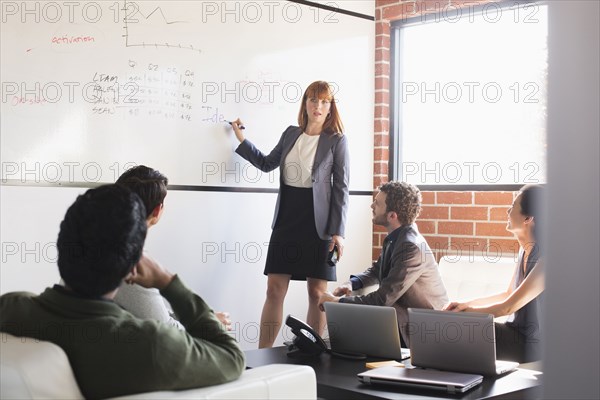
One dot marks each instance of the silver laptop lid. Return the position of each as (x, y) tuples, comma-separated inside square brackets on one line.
[(451, 382), (357, 328), (453, 341)]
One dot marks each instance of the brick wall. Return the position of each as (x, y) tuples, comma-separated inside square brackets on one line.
[(452, 222)]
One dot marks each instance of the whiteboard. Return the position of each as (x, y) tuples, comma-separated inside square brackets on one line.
[(92, 88)]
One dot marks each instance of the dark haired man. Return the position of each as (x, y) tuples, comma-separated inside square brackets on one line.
[(151, 186), (406, 270), (112, 352)]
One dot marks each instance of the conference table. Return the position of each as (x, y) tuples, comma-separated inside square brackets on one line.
[(336, 379)]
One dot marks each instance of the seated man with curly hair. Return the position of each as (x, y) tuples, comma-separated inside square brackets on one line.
[(406, 270)]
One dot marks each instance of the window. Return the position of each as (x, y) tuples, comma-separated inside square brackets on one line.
[(469, 97)]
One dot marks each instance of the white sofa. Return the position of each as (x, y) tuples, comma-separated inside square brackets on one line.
[(32, 369), (471, 277)]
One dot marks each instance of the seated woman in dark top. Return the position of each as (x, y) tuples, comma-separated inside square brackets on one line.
[(518, 339)]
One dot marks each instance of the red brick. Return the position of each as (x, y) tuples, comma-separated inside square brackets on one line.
[(400, 11), (378, 238), (380, 130), (430, 6), (384, 3), (382, 41), (382, 154), (380, 167), (428, 197), (382, 83), (379, 230), (455, 228), (381, 139), (468, 213), (491, 229), (494, 198), (381, 239), (382, 112), (382, 55), (498, 213), (382, 28), (434, 212), (426, 227), (382, 97), (455, 198), (375, 254), (502, 248), (437, 243), (377, 14), (382, 69)]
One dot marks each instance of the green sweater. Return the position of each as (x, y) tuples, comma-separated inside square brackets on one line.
[(113, 353)]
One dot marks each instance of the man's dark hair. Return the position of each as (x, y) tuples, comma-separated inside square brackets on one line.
[(147, 183), (404, 199), (100, 240)]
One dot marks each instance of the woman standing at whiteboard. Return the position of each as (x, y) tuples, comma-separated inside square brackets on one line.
[(310, 213)]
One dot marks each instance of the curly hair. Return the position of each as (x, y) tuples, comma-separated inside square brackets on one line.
[(404, 199)]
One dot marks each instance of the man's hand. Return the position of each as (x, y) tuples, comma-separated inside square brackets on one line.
[(343, 290), (149, 274), (223, 316), (325, 297)]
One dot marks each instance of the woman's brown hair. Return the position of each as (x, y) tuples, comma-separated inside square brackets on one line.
[(321, 90)]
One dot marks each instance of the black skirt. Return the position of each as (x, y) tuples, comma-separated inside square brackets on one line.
[(295, 247)]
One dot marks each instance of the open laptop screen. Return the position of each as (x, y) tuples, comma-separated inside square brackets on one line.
[(357, 328), (454, 341)]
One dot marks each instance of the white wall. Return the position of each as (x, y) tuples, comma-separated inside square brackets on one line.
[(572, 308), (215, 241)]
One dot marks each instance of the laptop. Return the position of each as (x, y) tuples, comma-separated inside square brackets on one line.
[(450, 382), (455, 341), (364, 330)]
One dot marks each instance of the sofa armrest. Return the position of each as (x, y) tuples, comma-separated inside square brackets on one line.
[(274, 381), (34, 369)]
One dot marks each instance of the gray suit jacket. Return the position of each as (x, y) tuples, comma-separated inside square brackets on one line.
[(409, 278), (330, 176)]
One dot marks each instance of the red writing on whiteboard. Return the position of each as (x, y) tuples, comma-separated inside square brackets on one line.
[(18, 100), (72, 39)]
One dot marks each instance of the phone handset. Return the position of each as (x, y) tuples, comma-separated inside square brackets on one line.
[(307, 341)]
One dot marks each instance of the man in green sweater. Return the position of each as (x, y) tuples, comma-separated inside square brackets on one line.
[(112, 352)]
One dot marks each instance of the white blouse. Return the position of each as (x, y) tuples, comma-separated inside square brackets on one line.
[(299, 161)]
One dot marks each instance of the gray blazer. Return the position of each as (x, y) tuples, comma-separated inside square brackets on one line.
[(330, 176), (409, 278)]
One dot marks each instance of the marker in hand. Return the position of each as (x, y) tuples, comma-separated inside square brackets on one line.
[(231, 123)]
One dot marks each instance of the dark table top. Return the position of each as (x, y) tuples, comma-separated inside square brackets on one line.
[(336, 379)]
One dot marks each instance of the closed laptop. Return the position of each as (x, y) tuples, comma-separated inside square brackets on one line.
[(450, 382), (454, 341)]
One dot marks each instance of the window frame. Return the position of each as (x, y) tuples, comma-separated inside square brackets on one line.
[(395, 114)]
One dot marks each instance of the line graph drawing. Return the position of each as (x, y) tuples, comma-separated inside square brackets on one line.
[(132, 17)]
